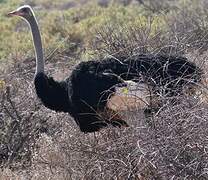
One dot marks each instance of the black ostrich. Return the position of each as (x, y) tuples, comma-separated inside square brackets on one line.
[(92, 83)]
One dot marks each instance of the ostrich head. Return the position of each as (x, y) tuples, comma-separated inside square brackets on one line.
[(28, 15), (25, 12)]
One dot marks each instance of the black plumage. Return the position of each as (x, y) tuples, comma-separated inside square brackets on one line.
[(86, 92), (91, 83)]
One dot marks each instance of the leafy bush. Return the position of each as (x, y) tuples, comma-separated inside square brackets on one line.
[(36, 143)]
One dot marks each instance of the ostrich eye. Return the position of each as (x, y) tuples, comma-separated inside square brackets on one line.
[(27, 11), (24, 10)]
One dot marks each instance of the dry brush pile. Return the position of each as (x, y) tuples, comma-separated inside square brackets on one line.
[(171, 143), (37, 143)]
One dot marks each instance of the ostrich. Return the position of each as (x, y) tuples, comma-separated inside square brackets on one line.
[(86, 91)]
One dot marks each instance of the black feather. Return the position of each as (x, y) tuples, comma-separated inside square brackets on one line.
[(91, 83), (53, 94)]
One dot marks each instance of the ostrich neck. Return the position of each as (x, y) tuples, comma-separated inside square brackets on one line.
[(38, 45)]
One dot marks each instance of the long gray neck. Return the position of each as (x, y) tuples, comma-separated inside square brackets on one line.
[(37, 44)]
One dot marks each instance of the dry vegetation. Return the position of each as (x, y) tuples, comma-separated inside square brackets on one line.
[(38, 144)]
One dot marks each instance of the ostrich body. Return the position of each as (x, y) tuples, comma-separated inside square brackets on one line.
[(92, 83)]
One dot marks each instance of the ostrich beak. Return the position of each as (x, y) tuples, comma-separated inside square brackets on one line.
[(15, 13)]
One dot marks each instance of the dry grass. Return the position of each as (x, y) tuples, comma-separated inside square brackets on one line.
[(38, 144), (42, 144)]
